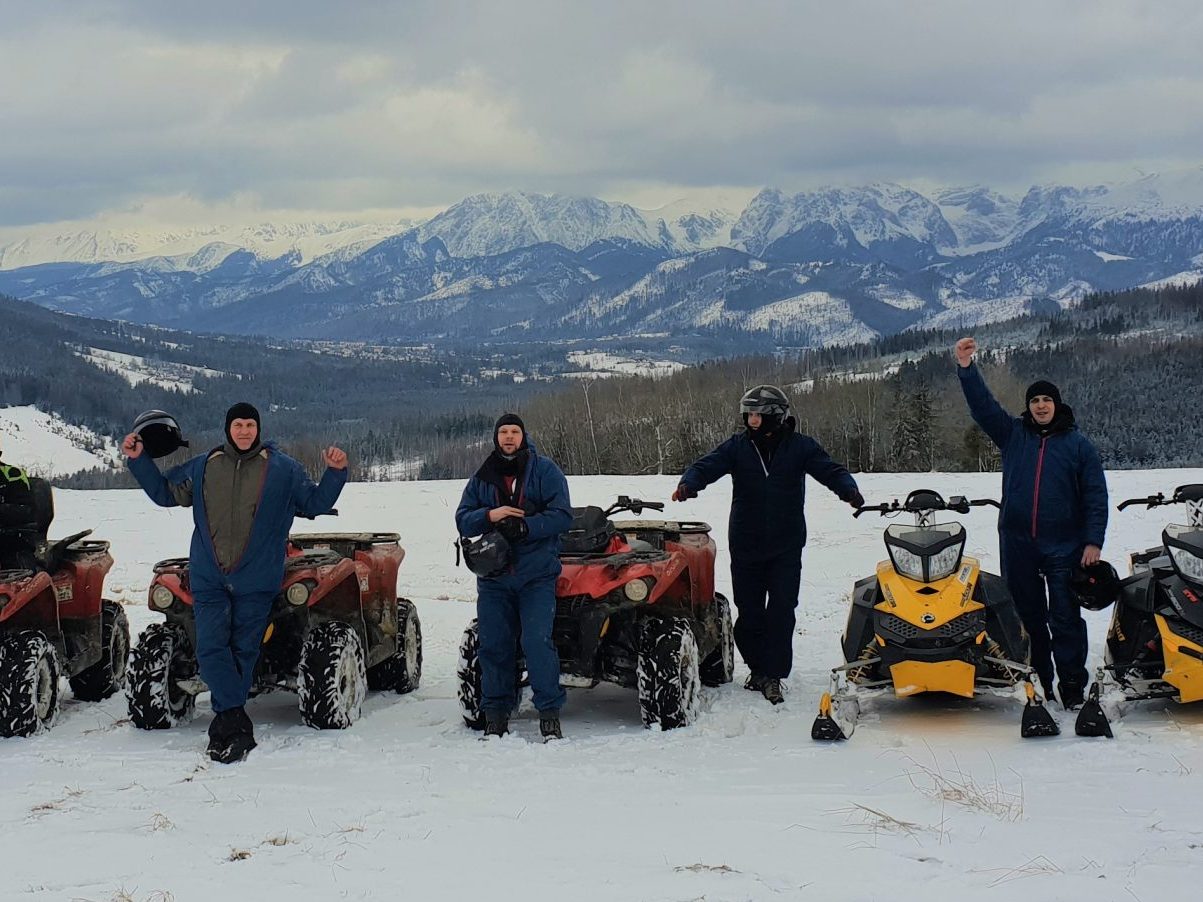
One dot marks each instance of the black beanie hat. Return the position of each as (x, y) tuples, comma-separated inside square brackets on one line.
[(509, 419), (1042, 387), (243, 411)]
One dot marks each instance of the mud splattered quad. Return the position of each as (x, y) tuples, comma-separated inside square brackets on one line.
[(635, 606), (336, 629), (54, 621)]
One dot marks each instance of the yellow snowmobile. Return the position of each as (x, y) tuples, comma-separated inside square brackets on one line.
[(1155, 642), (929, 620)]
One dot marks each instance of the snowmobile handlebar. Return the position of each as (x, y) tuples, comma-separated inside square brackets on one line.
[(957, 504), (634, 505), (1184, 494)]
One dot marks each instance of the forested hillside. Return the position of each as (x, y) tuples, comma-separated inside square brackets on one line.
[(1130, 364)]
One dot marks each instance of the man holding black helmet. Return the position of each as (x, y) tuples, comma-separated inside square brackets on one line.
[(244, 496), (1053, 519), (524, 497), (768, 462)]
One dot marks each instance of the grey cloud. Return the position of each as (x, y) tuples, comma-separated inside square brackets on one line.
[(308, 103)]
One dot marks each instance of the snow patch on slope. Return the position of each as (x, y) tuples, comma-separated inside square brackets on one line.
[(44, 444)]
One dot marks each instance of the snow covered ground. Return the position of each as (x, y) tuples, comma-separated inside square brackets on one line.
[(44, 444), (930, 800)]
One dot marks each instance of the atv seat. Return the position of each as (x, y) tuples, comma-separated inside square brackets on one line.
[(589, 533)]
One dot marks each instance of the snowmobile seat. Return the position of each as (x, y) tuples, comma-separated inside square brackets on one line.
[(589, 533)]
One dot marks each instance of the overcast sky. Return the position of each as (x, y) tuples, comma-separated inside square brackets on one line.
[(202, 110)]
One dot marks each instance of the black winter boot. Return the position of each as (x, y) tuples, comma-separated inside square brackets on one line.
[(772, 691), (549, 726), (231, 736), (496, 724), (1072, 695), (755, 682)]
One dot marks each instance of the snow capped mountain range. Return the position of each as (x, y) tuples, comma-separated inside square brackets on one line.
[(830, 265)]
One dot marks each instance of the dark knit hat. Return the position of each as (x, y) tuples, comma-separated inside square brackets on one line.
[(1042, 387), (243, 411), (509, 419)]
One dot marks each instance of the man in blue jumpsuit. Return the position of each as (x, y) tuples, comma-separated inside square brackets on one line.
[(244, 495), (524, 496), (768, 462), (1053, 518)]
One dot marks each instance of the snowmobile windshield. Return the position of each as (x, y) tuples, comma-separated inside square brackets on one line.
[(926, 553), (1185, 545)]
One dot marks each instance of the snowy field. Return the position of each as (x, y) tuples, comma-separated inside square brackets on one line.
[(930, 800)]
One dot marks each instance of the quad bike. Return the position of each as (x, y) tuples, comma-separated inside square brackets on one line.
[(1155, 641), (54, 622), (636, 606), (336, 629), (929, 620)]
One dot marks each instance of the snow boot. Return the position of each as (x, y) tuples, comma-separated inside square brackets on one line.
[(231, 736), (1072, 695), (549, 726), (496, 724), (755, 682), (772, 690)]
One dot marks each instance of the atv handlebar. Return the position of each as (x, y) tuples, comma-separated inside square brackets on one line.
[(1184, 494), (634, 505)]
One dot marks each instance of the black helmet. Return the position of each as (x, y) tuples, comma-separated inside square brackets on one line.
[(1096, 586), (160, 433), (487, 556), (764, 399)]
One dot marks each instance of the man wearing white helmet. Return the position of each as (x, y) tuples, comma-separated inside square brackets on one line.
[(768, 462)]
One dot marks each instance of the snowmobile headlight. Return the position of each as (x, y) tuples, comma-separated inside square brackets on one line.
[(637, 590), (161, 597), (1185, 545), (298, 593), (926, 553)]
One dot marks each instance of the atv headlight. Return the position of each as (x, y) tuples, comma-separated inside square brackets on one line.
[(298, 593), (637, 590), (161, 597), (926, 553), (1185, 545)]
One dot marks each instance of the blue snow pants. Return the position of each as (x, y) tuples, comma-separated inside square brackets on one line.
[(507, 608), (766, 594), (1039, 583), (229, 634)]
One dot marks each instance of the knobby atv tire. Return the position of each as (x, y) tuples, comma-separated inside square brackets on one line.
[(332, 681), (668, 679), (403, 670), (468, 673), (719, 666), (29, 676), (159, 662), (106, 676)]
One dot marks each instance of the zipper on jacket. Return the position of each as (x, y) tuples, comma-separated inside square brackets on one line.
[(1036, 490), (760, 457)]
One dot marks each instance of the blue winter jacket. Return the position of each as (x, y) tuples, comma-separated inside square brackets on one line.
[(286, 492), (767, 517), (544, 497), (1054, 491)]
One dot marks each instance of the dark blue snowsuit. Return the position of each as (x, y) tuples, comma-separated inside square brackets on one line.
[(231, 607), (522, 601), (1054, 504), (766, 533)]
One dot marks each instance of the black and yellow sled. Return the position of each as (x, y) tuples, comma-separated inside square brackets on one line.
[(1155, 641), (929, 620)]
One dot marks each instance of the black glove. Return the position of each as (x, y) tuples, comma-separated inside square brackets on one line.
[(857, 499), (513, 528), (684, 493)]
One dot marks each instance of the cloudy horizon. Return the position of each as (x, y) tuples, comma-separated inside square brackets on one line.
[(131, 111)]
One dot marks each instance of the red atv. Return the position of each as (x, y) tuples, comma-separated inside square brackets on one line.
[(636, 606), (336, 629), (55, 622)]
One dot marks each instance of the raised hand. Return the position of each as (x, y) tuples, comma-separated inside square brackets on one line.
[(335, 458), (131, 446), (964, 350)]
